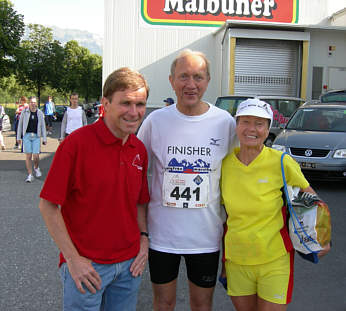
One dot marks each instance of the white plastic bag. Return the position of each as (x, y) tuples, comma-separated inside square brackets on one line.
[(309, 223)]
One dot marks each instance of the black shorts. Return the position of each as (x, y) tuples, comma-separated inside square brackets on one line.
[(201, 268), (49, 120)]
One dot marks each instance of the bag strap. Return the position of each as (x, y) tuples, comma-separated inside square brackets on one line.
[(293, 213)]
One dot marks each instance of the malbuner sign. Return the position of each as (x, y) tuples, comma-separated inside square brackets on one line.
[(216, 12)]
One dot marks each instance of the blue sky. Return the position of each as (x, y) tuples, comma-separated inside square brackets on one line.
[(72, 14)]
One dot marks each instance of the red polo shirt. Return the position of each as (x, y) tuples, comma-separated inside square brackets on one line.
[(98, 182)]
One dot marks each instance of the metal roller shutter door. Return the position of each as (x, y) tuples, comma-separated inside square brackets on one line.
[(266, 67)]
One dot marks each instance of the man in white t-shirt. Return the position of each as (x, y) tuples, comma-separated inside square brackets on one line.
[(186, 143), (74, 118)]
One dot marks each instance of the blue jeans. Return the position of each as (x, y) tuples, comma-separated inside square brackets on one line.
[(119, 289)]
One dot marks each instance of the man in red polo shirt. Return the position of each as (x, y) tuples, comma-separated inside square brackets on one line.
[(97, 214)]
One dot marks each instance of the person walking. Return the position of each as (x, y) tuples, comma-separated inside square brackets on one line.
[(74, 118), (97, 214), (22, 105), (49, 110), (2, 114), (186, 143), (32, 128)]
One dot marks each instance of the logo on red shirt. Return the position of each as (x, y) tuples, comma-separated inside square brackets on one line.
[(137, 162)]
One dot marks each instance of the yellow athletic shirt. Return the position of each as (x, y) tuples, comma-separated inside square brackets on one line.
[(253, 201)]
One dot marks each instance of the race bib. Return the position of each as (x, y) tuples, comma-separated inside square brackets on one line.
[(185, 190)]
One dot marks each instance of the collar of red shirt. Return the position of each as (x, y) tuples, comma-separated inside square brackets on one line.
[(107, 137)]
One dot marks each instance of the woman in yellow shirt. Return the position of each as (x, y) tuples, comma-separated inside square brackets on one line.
[(258, 250)]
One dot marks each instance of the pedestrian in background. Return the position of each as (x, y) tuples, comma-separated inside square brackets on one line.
[(22, 105), (97, 214), (74, 118), (49, 110), (2, 114), (169, 101), (31, 127)]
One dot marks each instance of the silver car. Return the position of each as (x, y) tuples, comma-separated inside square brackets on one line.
[(315, 136)]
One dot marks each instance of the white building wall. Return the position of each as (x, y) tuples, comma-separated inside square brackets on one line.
[(333, 63), (130, 41), (312, 12)]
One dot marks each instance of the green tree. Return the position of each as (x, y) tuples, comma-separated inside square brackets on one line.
[(10, 89), (71, 67), (91, 72), (82, 71), (56, 63), (39, 59), (11, 31)]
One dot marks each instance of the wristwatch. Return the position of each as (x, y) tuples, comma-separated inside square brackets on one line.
[(145, 234)]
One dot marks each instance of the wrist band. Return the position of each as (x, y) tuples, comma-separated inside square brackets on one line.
[(145, 234)]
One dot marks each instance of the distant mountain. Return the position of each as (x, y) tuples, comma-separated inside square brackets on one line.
[(91, 41)]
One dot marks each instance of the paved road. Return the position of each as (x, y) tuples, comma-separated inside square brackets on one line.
[(28, 259)]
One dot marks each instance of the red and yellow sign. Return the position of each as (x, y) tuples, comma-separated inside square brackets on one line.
[(216, 12)]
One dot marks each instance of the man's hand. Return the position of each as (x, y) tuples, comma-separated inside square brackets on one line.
[(141, 259), (83, 273)]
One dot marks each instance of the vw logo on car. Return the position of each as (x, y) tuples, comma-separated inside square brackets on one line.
[(308, 152)]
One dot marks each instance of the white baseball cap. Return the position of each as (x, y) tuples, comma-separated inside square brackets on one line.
[(255, 107)]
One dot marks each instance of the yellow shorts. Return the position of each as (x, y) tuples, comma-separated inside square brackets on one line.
[(272, 281)]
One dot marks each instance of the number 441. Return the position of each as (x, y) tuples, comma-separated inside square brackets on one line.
[(185, 194)]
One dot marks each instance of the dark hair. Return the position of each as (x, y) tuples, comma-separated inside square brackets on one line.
[(123, 79)]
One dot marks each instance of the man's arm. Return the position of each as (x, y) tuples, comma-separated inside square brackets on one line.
[(20, 127), (43, 128), (141, 259), (63, 127), (84, 118), (81, 270)]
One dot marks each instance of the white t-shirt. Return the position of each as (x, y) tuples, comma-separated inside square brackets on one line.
[(185, 155), (74, 119)]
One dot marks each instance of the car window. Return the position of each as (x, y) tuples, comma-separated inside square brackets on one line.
[(229, 104), (287, 107), (282, 109), (334, 97), (319, 119), (271, 102)]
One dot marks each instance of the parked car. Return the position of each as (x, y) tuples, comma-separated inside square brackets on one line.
[(59, 112), (315, 136), (333, 96), (283, 107)]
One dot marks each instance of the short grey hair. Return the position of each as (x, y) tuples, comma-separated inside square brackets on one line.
[(188, 52), (32, 97)]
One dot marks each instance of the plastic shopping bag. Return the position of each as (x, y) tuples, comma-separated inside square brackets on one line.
[(309, 225)]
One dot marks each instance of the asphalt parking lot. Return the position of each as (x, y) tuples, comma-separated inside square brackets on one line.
[(28, 260)]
